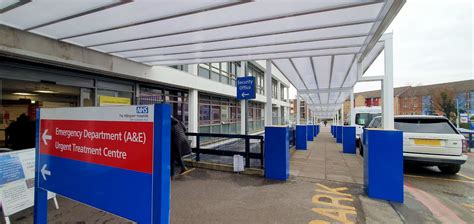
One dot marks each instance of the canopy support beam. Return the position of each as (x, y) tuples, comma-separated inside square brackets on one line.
[(387, 85), (268, 93)]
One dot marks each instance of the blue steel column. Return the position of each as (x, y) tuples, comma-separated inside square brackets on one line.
[(339, 134), (276, 154), (383, 164), (161, 164), (349, 139), (40, 213), (315, 131), (301, 137), (310, 132)]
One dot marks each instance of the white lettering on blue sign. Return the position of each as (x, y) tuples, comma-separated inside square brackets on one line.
[(142, 110)]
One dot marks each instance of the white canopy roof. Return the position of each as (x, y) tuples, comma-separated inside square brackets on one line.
[(315, 44)]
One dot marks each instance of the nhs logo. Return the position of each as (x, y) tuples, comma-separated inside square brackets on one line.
[(142, 110)]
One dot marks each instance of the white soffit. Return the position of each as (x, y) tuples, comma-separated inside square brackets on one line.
[(315, 44)]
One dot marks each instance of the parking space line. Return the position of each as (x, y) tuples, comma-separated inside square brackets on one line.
[(465, 176), (440, 178), (470, 207)]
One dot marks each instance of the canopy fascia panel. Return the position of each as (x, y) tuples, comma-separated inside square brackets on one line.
[(317, 45)]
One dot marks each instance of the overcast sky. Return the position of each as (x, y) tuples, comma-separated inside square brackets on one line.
[(433, 43)]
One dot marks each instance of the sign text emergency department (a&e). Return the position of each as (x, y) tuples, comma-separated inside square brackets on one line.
[(112, 158)]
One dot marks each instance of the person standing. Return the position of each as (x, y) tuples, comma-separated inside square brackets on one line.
[(179, 145)]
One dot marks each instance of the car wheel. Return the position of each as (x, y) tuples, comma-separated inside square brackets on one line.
[(361, 150), (451, 169)]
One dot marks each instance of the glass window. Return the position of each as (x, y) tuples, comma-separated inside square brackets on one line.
[(431, 125), (204, 72), (204, 114), (224, 79), (180, 67), (364, 119), (215, 76), (224, 113), (216, 114)]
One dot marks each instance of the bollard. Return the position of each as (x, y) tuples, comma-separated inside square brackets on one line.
[(349, 139), (310, 132), (276, 156), (383, 165), (315, 130), (339, 134), (301, 137)]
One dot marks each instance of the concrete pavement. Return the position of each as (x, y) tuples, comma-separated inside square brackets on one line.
[(324, 187), (324, 160)]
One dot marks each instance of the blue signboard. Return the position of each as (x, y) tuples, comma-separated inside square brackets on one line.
[(11, 169), (245, 88), (113, 158)]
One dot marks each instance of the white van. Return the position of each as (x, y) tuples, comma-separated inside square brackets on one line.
[(363, 116)]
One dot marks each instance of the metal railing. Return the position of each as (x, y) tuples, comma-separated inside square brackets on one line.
[(228, 145), (468, 135), (292, 136)]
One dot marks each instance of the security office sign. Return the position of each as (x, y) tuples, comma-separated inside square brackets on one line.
[(112, 158), (245, 88)]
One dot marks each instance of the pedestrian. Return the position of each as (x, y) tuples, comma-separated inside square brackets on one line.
[(179, 145), (325, 123)]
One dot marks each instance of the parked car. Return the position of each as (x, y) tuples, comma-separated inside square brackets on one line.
[(363, 116), (429, 141)]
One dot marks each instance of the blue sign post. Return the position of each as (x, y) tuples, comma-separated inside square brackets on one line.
[(116, 159), (245, 88)]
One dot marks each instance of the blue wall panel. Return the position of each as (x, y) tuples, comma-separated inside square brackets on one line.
[(276, 155), (310, 132), (301, 137), (339, 134), (383, 165), (349, 139)]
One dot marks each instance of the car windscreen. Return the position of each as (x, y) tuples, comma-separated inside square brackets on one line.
[(431, 125), (365, 118)]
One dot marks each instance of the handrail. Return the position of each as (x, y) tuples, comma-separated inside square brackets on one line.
[(247, 154), (217, 135)]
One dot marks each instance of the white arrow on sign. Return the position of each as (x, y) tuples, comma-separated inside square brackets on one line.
[(244, 94), (46, 137), (45, 172)]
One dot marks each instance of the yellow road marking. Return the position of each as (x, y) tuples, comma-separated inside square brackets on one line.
[(465, 176), (440, 178), (471, 207), (187, 171)]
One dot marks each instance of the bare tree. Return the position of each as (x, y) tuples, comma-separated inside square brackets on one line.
[(444, 101)]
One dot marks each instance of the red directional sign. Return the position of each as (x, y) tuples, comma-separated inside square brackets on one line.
[(116, 159), (120, 144)]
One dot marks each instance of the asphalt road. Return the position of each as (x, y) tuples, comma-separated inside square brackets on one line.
[(433, 197)]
